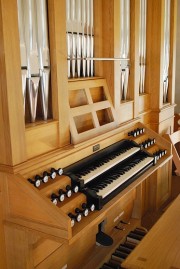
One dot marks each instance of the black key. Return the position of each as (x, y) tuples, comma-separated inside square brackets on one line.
[(124, 249), (129, 245), (106, 266), (115, 263)]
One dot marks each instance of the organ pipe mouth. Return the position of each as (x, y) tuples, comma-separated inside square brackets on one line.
[(97, 59)]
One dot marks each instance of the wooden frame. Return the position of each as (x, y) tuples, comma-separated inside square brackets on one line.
[(90, 109)]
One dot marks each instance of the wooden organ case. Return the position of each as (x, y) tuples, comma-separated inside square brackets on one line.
[(130, 99)]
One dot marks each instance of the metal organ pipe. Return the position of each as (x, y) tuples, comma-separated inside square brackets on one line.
[(166, 49), (142, 44), (124, 46), (80, 38), (35, 60)]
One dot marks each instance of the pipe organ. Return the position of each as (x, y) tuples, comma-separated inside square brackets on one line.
[(87, 91)]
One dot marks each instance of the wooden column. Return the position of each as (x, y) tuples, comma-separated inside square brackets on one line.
[(98, 41), (134, 54), (12, 131), (162, 113), (58, 55), (111, 47), (172, 67), (154, 18)]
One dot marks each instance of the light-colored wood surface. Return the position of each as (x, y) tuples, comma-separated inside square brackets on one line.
[(2, 236), (44, 216), (175, 139), (12, 131), (160, 248), (144, 102), (126, 112), (44, 135), (173, 37), (27, 215), (161, 122), (134, 54), (58, 56), (44, 248), (94, 114)]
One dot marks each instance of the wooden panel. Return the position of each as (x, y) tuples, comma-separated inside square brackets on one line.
[(146, 118), (111, 44), (144, 102), (126, 111), (12, 131), (2, 237), (163, 120), (163, 184), (166, 127), (56, 260), (154, 22), (85, 245), (159, 186), (41, 138), (44, 217), (44, 248), (166, 113), (160, 247), (173, 38), (145, 196), (17, 245), (122, 211)]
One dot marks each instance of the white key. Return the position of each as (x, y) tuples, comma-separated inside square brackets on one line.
[(119, 181), (99, 170)]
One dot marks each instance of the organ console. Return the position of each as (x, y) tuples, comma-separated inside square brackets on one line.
[(101, 192)]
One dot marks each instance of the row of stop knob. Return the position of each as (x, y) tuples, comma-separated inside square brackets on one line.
[(136, 132), (62, 193), (160, 153), (46, 175), (81, 212), (147, 143)]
